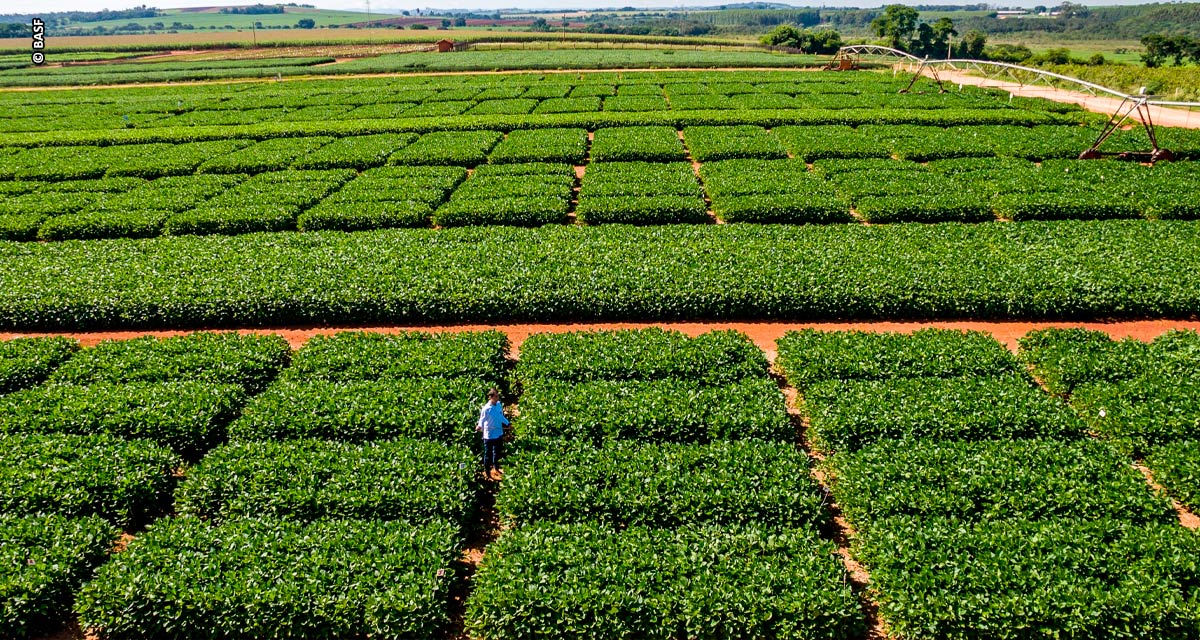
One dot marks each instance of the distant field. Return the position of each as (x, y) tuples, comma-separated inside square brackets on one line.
[(205, 18), (276, 37)]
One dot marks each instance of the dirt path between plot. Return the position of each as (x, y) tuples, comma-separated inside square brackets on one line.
[(1161, 115), (764, 334)]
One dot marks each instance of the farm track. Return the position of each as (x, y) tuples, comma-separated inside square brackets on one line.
[(764, 334), (1163, 116)]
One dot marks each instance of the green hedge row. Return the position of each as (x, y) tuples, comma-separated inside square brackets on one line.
[(259, 578), (362, 411), (701, 582), (850, 415), (810, 356), (624, 484), (250, 361), (25, 362), (126, 483), (1067, 579), (1052, 270), (991, 482), (43, 562), (187, 417), (715, 357), (363, 356), (307, 480), (667, 410)]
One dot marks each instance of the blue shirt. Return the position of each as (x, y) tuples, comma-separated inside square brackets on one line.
[(492, 421)]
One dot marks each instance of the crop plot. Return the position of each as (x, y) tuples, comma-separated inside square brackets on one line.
[(640, 193), (771, 191), (646, 144), (725, 143), (343, 577), (45, 560), (673, 518), (384, 197), (462, 148), (942, 456), (524, 195)]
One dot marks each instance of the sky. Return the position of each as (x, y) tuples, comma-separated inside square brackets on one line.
[(381, 6)]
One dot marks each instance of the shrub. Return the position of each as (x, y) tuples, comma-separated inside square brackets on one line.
[(43, 562), (307, 480), (809, 356), (654, 411), (431, 409), (187, 417), (992, 481), (221, 358), (126, 483), (624, 484), (573, 581), (25, 362), (713, 358), (257, 578), (847, 416)]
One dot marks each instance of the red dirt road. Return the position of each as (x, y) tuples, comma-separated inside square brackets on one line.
[(764, 334), (1169, 117)]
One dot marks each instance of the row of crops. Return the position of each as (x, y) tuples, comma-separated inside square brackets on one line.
[(414, 97), (654, 488), (634, 175), (1033, 270), (549, 57)]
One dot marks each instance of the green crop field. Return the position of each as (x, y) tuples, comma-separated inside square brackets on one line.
[(656, 484), (213, 18)]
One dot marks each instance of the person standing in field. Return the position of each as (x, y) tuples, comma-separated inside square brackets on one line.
[(491, 423)]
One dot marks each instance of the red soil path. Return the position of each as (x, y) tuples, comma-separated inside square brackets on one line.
[(764, 334)]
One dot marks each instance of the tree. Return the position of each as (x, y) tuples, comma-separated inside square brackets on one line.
[(825, 41), (972, 44), (539, 25), (1155, 50), (306, 23), (897, 23), (460, 21)]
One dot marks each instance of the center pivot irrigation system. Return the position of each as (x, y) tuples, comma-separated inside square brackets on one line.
[(852, 57)]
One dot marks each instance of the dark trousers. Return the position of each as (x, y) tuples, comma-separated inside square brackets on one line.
[(491, 453)]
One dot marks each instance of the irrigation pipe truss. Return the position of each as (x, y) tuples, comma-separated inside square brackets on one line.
[(850, 57)]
